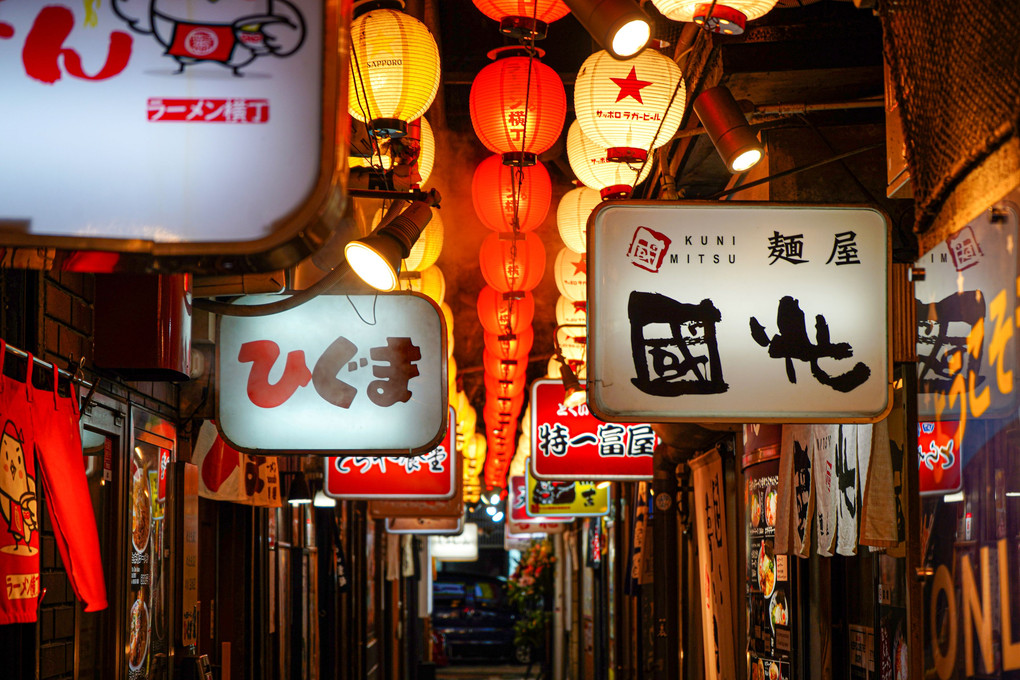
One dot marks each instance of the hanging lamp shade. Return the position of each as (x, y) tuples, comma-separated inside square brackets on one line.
[(497, 102), (422, 134), (523, 18), (495, 187), (394, 73), (553, 369), (728, 16), (572, 216), (588, 161), (431, 282), (500, 313), (622, 104), (427, 248), (510, 264), (571, 273), (512, 346), (504, 388), (504, 369)]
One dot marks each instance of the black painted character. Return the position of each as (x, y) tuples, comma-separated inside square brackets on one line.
[(791, 342), (674, 346), (942, 331)]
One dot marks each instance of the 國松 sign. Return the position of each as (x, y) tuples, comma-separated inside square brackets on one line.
[(738, 312)]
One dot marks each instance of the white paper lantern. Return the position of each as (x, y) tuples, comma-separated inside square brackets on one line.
[(571, 274), (570, 312), (629, 107), (572, 216), (589, 163)]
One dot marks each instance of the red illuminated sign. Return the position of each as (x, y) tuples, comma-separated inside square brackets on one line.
[(938, 458), (432, 476), (571, 443)]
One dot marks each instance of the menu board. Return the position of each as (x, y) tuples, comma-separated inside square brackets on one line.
[(147, 614), (769, 592)]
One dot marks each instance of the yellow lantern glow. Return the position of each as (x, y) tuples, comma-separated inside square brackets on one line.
[(394, 72), (572, 216), (448, 315), (727, 16), (629, 107), (429, 282), (589, 163)]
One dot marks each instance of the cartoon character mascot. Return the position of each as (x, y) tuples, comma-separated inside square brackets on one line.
[(17, 492)]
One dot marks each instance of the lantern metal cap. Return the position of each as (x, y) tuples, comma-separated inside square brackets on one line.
[(515, 51), (523, 28), (364, 6)]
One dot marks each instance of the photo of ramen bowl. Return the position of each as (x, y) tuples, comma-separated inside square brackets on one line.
[(771, 498), (774, 671), (138, 634), (755, 509), (766, 571), (778, 611), (141, 513)]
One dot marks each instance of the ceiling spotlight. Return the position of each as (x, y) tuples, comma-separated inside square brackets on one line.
[(490, 510), (603, 485), (727, 127), (298, 493), (618, 25), (498, 517), (376, 257), (494, 498)]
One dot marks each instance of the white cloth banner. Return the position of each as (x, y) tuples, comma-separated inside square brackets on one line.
[(713, 565), (825, 438)]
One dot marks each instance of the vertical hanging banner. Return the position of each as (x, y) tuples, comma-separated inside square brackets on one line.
[(432, 476), (675, 338), (359, 373), (714, 565), (134, 101), (569, 443)]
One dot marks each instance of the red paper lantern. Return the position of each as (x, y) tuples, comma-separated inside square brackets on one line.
[(512, 262), (523, 18), (498, 114), (500, 314), (504, 369), (504, 388), (516, 346), (495, 186)]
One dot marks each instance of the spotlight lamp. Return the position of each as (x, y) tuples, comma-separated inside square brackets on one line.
[(574, 394), (618, 25), (727, 127), (299, 493), (376, 257)]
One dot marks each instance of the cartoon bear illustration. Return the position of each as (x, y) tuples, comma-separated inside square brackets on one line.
[(231, 32), (17, 492)]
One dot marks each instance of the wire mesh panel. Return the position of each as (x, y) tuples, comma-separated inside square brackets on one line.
[(956, 77)]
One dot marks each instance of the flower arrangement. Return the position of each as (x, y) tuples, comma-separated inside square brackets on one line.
[(530, 588)]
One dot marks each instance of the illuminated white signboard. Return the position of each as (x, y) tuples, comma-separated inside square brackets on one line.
[(166, 124), (339, 373), (461, 548), (738, 312)]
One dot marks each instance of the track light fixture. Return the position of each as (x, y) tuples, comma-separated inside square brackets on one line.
[(376, 257), (574, 394), (618, 25), (727, 127)]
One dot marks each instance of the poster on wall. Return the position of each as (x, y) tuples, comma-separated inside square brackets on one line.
[(769, 594), (133, 100), (147, 630), (672, 338)]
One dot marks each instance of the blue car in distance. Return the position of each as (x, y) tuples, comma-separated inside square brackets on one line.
[(472, 617)]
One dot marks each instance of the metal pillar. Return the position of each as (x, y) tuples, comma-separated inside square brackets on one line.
[(664, 555)]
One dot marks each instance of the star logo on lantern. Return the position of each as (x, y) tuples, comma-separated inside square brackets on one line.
[(631, 86), (580, 267)]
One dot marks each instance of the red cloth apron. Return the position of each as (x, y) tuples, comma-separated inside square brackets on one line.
[(39, 423), (58, 442), (19, 508)]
